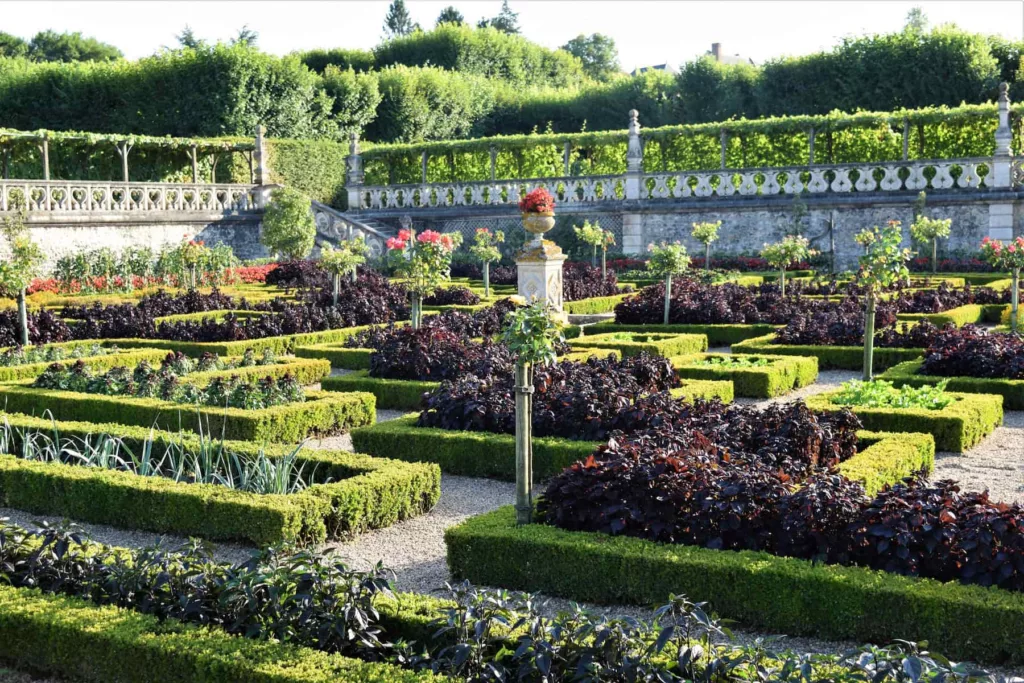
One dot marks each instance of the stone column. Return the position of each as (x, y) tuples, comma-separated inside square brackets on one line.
[(632, 233), (262, 172), (354, 174), (1000, 214), (539, 267), (632, 230)]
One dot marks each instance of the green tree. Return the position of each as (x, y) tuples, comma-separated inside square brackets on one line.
[(884, 265), (598, 54), (450, 15), (916, 21), (21, 267), (398, 21), (792, 249), (931, 230), (485, 249), (507, 21), (289, 229), (706, 233), (187, 38), (668, 260), (711, 91), (246, 36), (345, 260), (356, 98), (12, 46), (592, 234), (50, 46)]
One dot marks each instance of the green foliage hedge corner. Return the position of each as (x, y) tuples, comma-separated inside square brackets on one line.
[(718, 335), (957, 427), (829, 357), (125, 357), (785, 595), (207, 315), (708, 389), (392, 394), (471, 454), (1012, 390), (321, 413), (597, 304), (282, 345), (959, 316), (338, 356), (784, 374), (884, 459), (76, 639), (353, 492), (655, 343)]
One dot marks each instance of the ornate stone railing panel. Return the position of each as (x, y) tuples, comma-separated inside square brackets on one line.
[(1017, 173), (334, 226), (835, 179), (582, 190), (70, 196)]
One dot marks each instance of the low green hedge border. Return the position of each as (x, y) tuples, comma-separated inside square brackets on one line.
[(281, 345), (782, 375), (718, 335), (77, 639), (352, 492), (665, 344), (957, 427), (126, 357), (339, 356), (321, 413), (1012, 390), (884, 458), (597, 304), (959, 316), (217, 315), (306, 371), (392, 394), (829, 357), (486, 454)]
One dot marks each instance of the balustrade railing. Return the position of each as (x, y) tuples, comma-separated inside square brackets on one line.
[(582, 190), (68, 196), (892, 176)]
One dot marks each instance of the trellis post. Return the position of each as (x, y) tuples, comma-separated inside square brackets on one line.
[(1000, 214), (810, 146), (494, 158), (195, 164), (906, 139), (44, 149), (262, 171), (423, 165), (723, 140), (565, 157), (7, 162), (123, 148)]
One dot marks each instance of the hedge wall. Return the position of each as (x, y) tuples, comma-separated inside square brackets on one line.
[(76, 639), (655, 343), (597, 304), (1012, 390), (350, 492), (281, 345), (829, 357), (959, 316), (392, 394), (321, 413), (125, 357), (782, 375), (957, 427), (718, 335)]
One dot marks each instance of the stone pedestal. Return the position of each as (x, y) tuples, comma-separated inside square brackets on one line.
[(539, 268)]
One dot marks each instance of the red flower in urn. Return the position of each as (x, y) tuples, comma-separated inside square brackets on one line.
[(537, 201)]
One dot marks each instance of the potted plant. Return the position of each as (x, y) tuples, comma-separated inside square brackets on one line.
[(1007, 257), (926, 230), (781, 255), (668, 260), (884, 265), (485, 249), (532, 334), (424, 260), (538, 209), (193, 253), (706, 233), (344, 260), (21, 267)]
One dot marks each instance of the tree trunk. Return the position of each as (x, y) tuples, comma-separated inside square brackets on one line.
[(337, 287), (869, 337), (935, 255), (355, 274), (782, 281), (707, 257), (1014, 298), (524, 443), (487, 279), (593, 255), (417, 305), (23, 316), (668, 296), (604, 264)]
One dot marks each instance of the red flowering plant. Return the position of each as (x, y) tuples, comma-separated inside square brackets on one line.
[(537, 201), (424, 260), (1007, 257)]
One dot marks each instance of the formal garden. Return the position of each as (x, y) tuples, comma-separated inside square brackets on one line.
[(365, 454)]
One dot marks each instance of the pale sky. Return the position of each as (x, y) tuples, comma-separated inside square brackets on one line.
[(646, 32)]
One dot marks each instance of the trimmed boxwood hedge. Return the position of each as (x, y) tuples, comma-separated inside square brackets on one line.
[(829, 357), (959, 316), (718, 335), (281, 345), (957, 427), (126, 357), (1012, 390), (321, 413), (665, 344), (486, 454), (595, 305), (306, 371), (354, 492), (339, 356), (392, 394), (783, 374), (77, 639), (218, 315)]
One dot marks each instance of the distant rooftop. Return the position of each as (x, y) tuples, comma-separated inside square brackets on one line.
[(718, 52), (656, 67)]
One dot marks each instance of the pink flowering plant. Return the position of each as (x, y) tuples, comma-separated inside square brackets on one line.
[(424, 261), (1007, 257)]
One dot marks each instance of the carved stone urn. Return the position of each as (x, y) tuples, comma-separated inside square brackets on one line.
[(537, 224)]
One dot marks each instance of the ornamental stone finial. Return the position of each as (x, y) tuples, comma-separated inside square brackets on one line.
[(634, 147), (354, 162), (634, 122), (1004, 136), (353, 144), (261, 173), (1004, 92)]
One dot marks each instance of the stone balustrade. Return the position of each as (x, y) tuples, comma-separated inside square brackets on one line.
[(78, 196)]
